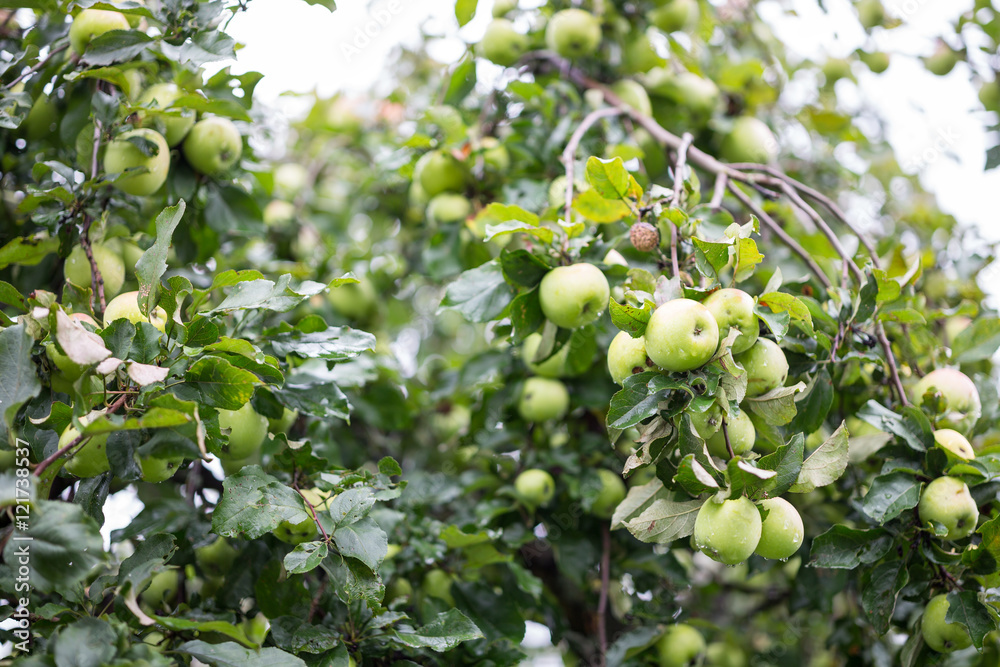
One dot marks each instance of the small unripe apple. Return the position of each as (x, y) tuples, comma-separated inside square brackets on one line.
[(397, 588), (215, 559), (954, 442), (296, 533), (574, 296), (495, 155), (109, 263), (162, 590), (877, 61), (723, 655), (543, 399), (749, 140), (90, 23), (42, 120), (535, 487), (130, 254), (278, 211), (126, 306), (836, 69), (634, 95), (707, 423), (439, 171), (962, 406), (553, 367), (766, 367), (742, 436), (91, 459), (674, 15), (611, 494), (728, 531), (121, 155), (698, 95), (69, 368), (942, 61), (939, 634), (573, 33), (871, 13), (284, 422), (989, 95), (290, 178), (503, 7), (781, 532), (449, 207), (502, 43), (947, 501), (681, 335), (437, 584), (156, 469), (247, 431), (639, 55), (354, 300), (626, 356), (680, 646), (734, 308), (162, 96), (213, 145)]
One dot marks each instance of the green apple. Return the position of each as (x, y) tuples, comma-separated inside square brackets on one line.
[(877, 61), (354, 300), (296, 533), (626, 356), (639, 55), (535, 487), (766, 367), (680, 646), (213, 145), (133, 77), (449, 207), (247, 430), (90, 23), (553, 367), (397, 588), (109, 263), (173, 127), (126, 306), (439, 171), (278, 212), (947, 501), (290, 178), (836, 69), (781, 532), (749, 140), (674, 15), (69, 368), (942, 61), (574, 296), (495, 155), (557, 190), (215, 559), (634, 95), (42, 120), (611, 494), (939, 634), (615, 258), (707, 423), (728, 531), (502, 43), (156, 469), (284, 422), (699, 95), (130, 254), (437, 584), (718, 654), (573, 33), (871, 13), (122, 154), (742, 436), (451, 421), (962, 406), (162, 589), (989, 95), (955, 325), (91, 459), (681, 335), (734, 308), (954, 442), (503, 7), (543, 399)]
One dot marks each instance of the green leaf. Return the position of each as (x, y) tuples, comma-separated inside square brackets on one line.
[(911, 430), (462, 81), (890, 495), (150, 556), (889, 289), (786, 461), (27, 251), (977, 342), (231, 654), (20, 379), (777, 406), (814, 405), (278, 296), (634, 403), (305, 557), (745, 258), (609, 177), (444, 633), (253, 504), (825, 465), (693, 477), (593, 206), (879, 591), (526, 315), (543, 234), (220, 384), (351, 505), (208, 46), (965, 607), (364, 540), (846, 548), (333, 344), (631, 319), (665, 521), (297, 635), (523, 268), (480, 294), (116, 46), (780, 302), (153, 263), (89, 642), (711, 256), (314, 394), (198, 626)]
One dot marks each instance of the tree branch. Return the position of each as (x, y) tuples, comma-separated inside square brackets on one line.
[(678, 185), (37, 66), (41, 467), (825, 229), (569, 154)]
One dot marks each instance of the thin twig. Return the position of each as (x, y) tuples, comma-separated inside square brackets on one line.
[(719, 191), (569, 154), (37, 66), (891, 359), (781, 234), (679, 167), (602, 603), (40, 468), (825, 229), (96, 279), (725, 434)]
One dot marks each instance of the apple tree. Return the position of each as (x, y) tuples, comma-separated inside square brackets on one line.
[(587, 329)]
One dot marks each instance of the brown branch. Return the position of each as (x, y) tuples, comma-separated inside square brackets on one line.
[(682, 152), (792, 244), (40, 468), (602, 604), (96, 279), (893, 371), (826, 230), (37, 66), (725, 434)]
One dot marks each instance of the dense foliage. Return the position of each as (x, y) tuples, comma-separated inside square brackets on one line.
[(583, 330)]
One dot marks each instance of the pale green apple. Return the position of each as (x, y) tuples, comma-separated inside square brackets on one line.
[(173, 127), (69, 368), (939, 634), (162, 589), (290, 178), (574, 296), (126, 306), (439, 171), (91, 23), (296, 533), (437, 584), (782, 531), (734, 308), (719, 654), (698, 95), (503, 7), (247, 431), (535, 487), (680, 646), (634, 95), (449, 207), (553, 367), (707, 423), (639, 55), (626, 356), (122, 155), (947, 501), (728, 531), (611, 494), (278, 212), (962, 406), (159, 469), (91, 459), (495, 155), (742, 436), (681, 335), (213, 145), (573, 33), (766, 367), (674, 15), (954, 442), (502, 43), (284, 422), (871, 13), (942, 61), (877, 61), (109, 263), (543, 399), (749, 140), (215, 559)]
